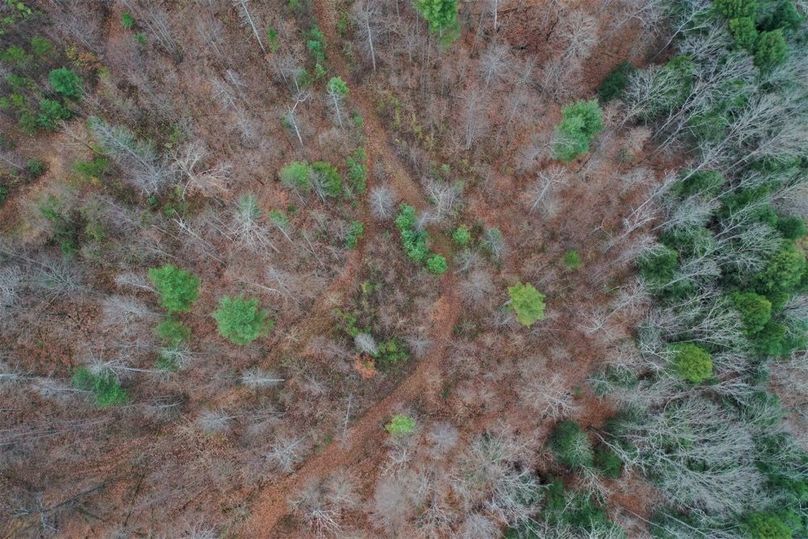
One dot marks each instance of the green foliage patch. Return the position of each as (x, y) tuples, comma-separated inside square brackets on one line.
[(571, 445), (692, 362), (572, 260), (178, 288), (580, 124), (461, 236), (527, 303), (297, 175), (355, 232), (172, 332), (440, 14), (65, 82), (104, 386), (400, 425), (615, 82), (241, 320)]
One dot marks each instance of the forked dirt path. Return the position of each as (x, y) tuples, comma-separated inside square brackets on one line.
[(377, 148), (365, 438)]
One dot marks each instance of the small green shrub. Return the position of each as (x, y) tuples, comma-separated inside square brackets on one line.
[(658, 266), (95, 168), (35, 168), (3, 194), (357, 175), (690, 241), (242, 320), (355, 233), (707, 183), (572, 260), (65, 82), (755, 310), (327, 178), (127, 20), (771, 49), (64, 223), (527, 303), (461, 236), (279, 218), (580, 124), (297, 175), (414, 241), (15, 56), (436, 264), (735, 200), (173, 332), (400, 425), (273, 39), (732, 9), (792, 227), (615, 82), (440, 14), (167, 361), (744, 31), (781, 275), (391, 352), (770, 340), (765, 526), (51, 112), (337, 86), (571, 445), (607, 462), (178, 289), (784, 16), (315, 43), (692, 362), (577, 510), (41, 47), (104, 386), (672, 84)]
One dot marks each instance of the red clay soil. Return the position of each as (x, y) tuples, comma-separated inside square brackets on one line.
[(366, 436)]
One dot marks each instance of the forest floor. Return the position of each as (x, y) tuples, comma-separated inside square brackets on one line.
[(365, 438), (362, 447)]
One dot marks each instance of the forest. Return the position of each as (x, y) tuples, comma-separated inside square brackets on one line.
[(517, 269)]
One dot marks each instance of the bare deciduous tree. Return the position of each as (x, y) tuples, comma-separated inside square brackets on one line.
[(259, 378), (189, 162), (144, 168), (545, 190), (365, 14), (243, 8), (366, 344), (285, 453), (382, 201), (494, 63), (156, 22)]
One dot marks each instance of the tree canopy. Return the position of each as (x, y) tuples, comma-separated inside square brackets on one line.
[(440, 14), (527, 303), (581, 122), (241, 320), (178, 288)]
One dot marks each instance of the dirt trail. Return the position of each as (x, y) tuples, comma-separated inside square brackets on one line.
[(377, 142), (377, 147), (365, 438)]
